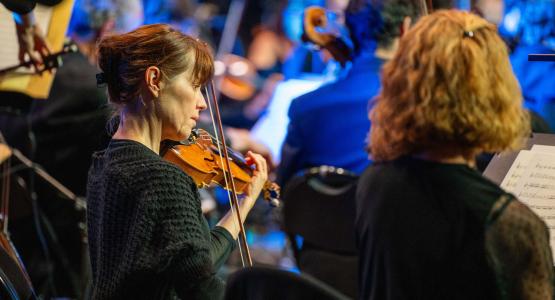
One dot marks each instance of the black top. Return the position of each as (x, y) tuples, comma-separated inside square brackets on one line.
[(430, 230), (148, 238)]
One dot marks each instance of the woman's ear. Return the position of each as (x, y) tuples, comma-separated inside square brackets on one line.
[(153, 77)]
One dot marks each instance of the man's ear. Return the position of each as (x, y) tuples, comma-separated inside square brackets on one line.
[(405, 25), (153, 77)]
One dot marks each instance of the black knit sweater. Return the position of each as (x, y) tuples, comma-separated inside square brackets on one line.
[(148, 238)]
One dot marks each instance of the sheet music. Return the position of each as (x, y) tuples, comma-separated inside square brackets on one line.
[(535, 186), (8, 37), (543, 148), (518, 167)]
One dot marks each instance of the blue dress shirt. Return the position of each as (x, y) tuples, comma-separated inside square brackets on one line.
[(329, 126)]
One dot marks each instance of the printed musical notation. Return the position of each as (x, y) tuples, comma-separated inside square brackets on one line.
[(517, 169), (533, 185), (531, 179), (536, 180), (542, 176)]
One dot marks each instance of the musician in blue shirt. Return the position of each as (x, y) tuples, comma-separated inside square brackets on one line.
[(329, 125)]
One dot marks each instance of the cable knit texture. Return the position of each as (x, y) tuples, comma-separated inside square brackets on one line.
[(148, 238)]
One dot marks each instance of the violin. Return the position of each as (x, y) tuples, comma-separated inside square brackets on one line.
[(199, 157)]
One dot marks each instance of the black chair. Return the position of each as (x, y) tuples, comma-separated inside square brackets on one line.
[(266, 283), (318, 217)]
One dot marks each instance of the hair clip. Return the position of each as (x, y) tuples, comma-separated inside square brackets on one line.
[(100, 79), (468, 34)]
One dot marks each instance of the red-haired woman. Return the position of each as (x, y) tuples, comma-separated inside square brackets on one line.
[(147, 236), (429, 225)]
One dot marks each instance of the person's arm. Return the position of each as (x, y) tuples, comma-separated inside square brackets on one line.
[(31, 40), (517, 245), (29, 36), (182, 244), (221, 246)]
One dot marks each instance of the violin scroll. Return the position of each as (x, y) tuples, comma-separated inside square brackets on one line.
[(321, 29)]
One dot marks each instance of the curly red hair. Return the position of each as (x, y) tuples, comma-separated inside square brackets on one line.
[(449, 84)]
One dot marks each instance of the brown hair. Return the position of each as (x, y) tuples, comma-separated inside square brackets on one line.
[(124, 59), (449, 84)]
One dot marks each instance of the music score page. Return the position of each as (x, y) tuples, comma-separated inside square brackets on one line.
[(531, 179)]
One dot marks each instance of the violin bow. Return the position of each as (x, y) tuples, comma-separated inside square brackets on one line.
[(426, 7), (228, 177)]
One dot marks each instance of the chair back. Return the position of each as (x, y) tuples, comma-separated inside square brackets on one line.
[(267, 283), (319, 206)]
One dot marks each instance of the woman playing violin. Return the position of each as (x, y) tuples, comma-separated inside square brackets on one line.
[(147, 236)]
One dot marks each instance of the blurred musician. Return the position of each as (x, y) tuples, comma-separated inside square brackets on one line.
[(313, 137)]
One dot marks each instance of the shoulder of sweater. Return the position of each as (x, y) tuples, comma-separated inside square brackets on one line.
[(165, 189), (161, 169), (150, 171), (141, 169)]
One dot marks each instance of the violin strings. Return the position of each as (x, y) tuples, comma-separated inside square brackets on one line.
[(219, 144), (226, 179)]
